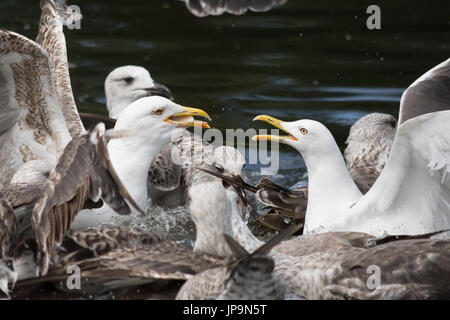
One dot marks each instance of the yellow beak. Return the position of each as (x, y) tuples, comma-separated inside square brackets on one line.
[(186, 118), (276, 123)]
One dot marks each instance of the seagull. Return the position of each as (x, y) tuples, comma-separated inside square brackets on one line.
[(368, 146), (402, 208), (411, 196), (367, 151), (202, 8), (123, 86), (144, 128), (326, 265)]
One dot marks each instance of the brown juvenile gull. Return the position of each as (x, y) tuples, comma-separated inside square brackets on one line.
[(245, 276), (115, 260), (329, 265), (35, 138), (202, 8), (83, 172)]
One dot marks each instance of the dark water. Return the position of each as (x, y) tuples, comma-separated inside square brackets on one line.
[(306, 59)]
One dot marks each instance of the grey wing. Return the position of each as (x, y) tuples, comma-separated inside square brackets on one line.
[(429, 93), (51, 38), (202, 8)]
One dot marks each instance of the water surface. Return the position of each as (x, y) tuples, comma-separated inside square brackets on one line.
[(305, 59)]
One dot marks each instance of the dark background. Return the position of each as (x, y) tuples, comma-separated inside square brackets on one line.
[(306, 59)]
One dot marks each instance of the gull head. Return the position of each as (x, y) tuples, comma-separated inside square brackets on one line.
[(374, 126), (156, 120), (127, 84), (229, 159), (307, 136)]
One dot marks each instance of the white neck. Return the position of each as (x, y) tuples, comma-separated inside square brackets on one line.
[(131, 159), (242, 233), (115, 109), (211, 223), (331, 189)]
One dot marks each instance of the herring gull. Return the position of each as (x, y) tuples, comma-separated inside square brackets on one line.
[(367, 151), (411, 196), (368, 144), (144, 128), (123, 86)]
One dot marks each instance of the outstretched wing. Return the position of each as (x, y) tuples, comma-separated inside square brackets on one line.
[(32, 124), (412, 194), (84, 170), (429, 93), (51, 38), (202, 8)]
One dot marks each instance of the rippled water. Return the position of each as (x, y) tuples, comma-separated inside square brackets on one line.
[(303, 60)]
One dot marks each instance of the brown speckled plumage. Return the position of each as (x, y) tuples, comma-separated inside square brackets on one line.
[(83, 172), (51, 38), (121, 258), (368, 146), (32, 123), (315, 266)]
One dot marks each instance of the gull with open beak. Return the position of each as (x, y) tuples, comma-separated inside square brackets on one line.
[(144, 128), (410, 196)]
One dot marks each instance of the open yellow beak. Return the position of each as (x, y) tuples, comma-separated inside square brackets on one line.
[(186, 118), (276, 123)]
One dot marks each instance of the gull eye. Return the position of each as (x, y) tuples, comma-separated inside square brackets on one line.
[(10, 265), (303, 131), (219, 168), (158, 112), (128, 80)]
